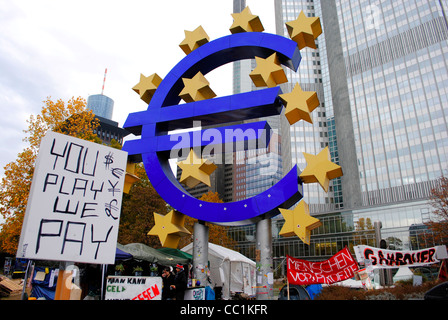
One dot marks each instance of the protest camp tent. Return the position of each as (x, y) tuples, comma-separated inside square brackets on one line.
[(403, 273), (140, 251), (120, 255), (177, 253), (229, 269)]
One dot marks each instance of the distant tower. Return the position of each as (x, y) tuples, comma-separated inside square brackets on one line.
[(101, 105)]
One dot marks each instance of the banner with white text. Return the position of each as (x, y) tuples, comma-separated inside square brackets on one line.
[(338, 268), (382, 258)]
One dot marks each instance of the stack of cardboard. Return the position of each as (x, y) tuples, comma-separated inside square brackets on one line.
[(9, 287)]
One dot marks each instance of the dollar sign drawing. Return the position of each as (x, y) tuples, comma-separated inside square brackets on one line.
[(109, 160), (165, 114)]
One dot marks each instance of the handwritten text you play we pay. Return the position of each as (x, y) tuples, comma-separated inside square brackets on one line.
[(80, 191)]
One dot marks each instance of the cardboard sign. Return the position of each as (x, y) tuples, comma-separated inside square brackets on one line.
[(133, 288), (382, 258), (338, 268), (74, 204)]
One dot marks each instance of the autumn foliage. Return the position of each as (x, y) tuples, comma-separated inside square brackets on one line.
[(71, 118), (137, 213)]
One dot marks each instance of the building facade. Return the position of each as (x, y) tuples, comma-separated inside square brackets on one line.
[(381, 75), (103, 106)]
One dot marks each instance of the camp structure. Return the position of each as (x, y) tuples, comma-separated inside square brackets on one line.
[(140, 251), (403, 274), (229, 269)]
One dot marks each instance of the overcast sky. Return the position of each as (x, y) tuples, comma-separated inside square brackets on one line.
[(61, 48)]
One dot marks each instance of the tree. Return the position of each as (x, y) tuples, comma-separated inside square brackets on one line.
[(71, 118), (217, 234), (137, 213), (363, 232), (439, 219)]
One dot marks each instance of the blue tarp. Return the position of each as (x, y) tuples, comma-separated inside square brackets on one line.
[(121, 255), (314, 290), (209, 293), (42, 288)]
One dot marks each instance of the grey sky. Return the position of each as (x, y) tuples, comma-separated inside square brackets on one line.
[(60, 49)]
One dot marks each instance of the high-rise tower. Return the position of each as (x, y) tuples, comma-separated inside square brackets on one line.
[(380, 71)]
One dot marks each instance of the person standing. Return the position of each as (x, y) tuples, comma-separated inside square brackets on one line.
[(180, 282), (168, 281)]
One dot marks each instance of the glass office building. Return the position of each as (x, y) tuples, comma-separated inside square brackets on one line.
[(381, 75), (255, 171), (101, 105)]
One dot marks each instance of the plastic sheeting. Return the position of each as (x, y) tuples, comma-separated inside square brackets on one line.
[(45, 288), (140, 251), (230, 270)]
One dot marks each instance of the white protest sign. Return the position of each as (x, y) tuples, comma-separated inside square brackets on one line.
[(382, 258), (133, 288), (74, 204)]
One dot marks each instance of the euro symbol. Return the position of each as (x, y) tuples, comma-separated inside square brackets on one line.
[(165, 114)]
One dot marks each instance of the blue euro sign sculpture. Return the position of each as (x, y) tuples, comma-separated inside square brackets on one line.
[(165, 114)]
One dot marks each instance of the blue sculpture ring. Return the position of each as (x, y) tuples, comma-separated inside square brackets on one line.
[(165, 114)]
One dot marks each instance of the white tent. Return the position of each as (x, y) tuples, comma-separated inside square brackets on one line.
[(229, 269), (403, 273)]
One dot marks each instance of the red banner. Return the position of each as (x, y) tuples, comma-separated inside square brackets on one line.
[(339, 267)]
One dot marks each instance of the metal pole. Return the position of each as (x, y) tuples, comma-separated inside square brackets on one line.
[(103, 278), (200, 252), (265, 274), (24, 295), (377, 225)]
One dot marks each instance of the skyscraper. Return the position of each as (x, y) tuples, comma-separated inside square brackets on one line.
[(257, 170), (246, 173), (103, 106), (381, 75)]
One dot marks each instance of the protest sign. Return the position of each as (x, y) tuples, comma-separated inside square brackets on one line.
[(74, 203), (133, 288), (382, 258), (338, 268)]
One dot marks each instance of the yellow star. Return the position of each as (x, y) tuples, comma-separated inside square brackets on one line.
[(194, 39), (130, 178), (169, 228), (304, 30), (246, 22), (147, 86), (299, 104), (320, 169), (268, 72), (196, 89), (299, 222), (196, 170)]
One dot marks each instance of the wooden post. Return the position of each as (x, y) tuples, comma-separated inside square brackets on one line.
[(64, 284)]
